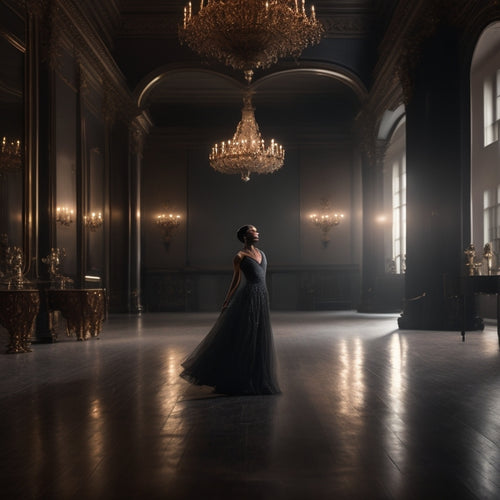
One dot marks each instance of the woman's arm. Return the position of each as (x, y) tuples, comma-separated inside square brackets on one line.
[(235, 281)]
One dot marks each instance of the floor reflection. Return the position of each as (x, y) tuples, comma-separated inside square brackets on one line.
[(366, 412)]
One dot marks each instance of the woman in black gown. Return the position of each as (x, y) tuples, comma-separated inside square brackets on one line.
[(237, 355)]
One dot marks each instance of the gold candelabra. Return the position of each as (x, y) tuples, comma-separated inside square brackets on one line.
[(93, 221)]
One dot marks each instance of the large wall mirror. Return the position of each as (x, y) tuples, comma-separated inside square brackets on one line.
[(12, 125)]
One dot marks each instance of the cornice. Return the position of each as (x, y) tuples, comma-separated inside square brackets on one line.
[(67, 26), (166, 24)]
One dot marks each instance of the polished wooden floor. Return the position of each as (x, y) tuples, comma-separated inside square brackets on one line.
[(367, 412)]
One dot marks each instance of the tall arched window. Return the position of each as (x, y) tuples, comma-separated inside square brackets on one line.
[(395, 199), (485, 120)]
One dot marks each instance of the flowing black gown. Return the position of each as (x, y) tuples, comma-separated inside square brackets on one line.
[(237, 355)]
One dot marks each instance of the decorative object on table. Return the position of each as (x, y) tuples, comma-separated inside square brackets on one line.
[(11, 265), (325, 219), (247, 153), (470, 260), (488, 257), (169, 224), (54, 262)]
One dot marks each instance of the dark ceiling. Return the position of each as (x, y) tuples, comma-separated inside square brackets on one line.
[(326, 85)]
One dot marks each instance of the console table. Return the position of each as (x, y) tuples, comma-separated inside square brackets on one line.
[(472, 285), (18, 311), (84, 310)]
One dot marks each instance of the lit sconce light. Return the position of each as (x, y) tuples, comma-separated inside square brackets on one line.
[(10, 155), (64, 216), (325, 221), (169, 223), (93, 221)]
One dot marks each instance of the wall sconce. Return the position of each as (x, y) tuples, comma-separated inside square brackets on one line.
[(169, 223), (325, 221), (93, 221), (64, 216), (10, 155)]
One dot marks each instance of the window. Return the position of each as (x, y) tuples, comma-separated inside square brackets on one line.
[(399, 214), (491, 218), (491, 108), (394, 197)]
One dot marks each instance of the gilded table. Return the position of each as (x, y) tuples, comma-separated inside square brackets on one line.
[(18, 311), (84, 310)]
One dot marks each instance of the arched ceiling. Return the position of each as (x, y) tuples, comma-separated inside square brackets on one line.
[(327, 84)]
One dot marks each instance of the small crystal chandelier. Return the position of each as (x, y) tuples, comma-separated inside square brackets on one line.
[(10, 155), (250, 34), (247, 152)]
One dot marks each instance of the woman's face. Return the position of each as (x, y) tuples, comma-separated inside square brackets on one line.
[(252, 235)]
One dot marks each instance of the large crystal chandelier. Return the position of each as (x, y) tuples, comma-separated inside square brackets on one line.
[(250, 34), (247, 152)]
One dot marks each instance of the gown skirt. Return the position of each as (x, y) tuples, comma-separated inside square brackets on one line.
[(237, 355)]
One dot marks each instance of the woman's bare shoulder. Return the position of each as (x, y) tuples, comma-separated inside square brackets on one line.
[(238, 257)]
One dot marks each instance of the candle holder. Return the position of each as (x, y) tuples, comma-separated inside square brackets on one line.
[(93, 221), (169, 224), (325, 220), (64, 216), (54, 262), (470, 260)]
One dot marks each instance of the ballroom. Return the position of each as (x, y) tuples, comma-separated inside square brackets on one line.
[(359, 137)]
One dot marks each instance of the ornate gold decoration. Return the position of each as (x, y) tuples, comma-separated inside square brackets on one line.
[(18, 311), (11, 265), (247, 152), (64, 216), (169, 224), (11, 158), (250, 34), (325, 220), (93, 221), (84, 310), (54, 262), (488, 257), (470, 260)]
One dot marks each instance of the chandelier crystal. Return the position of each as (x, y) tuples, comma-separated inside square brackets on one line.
[(250, 34), (247, 152)]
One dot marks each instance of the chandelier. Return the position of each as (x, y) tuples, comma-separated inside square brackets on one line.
[(250, 34), (10, 155), (247, 152)]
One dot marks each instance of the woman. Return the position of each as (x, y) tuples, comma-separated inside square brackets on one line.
[(237, 355)]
